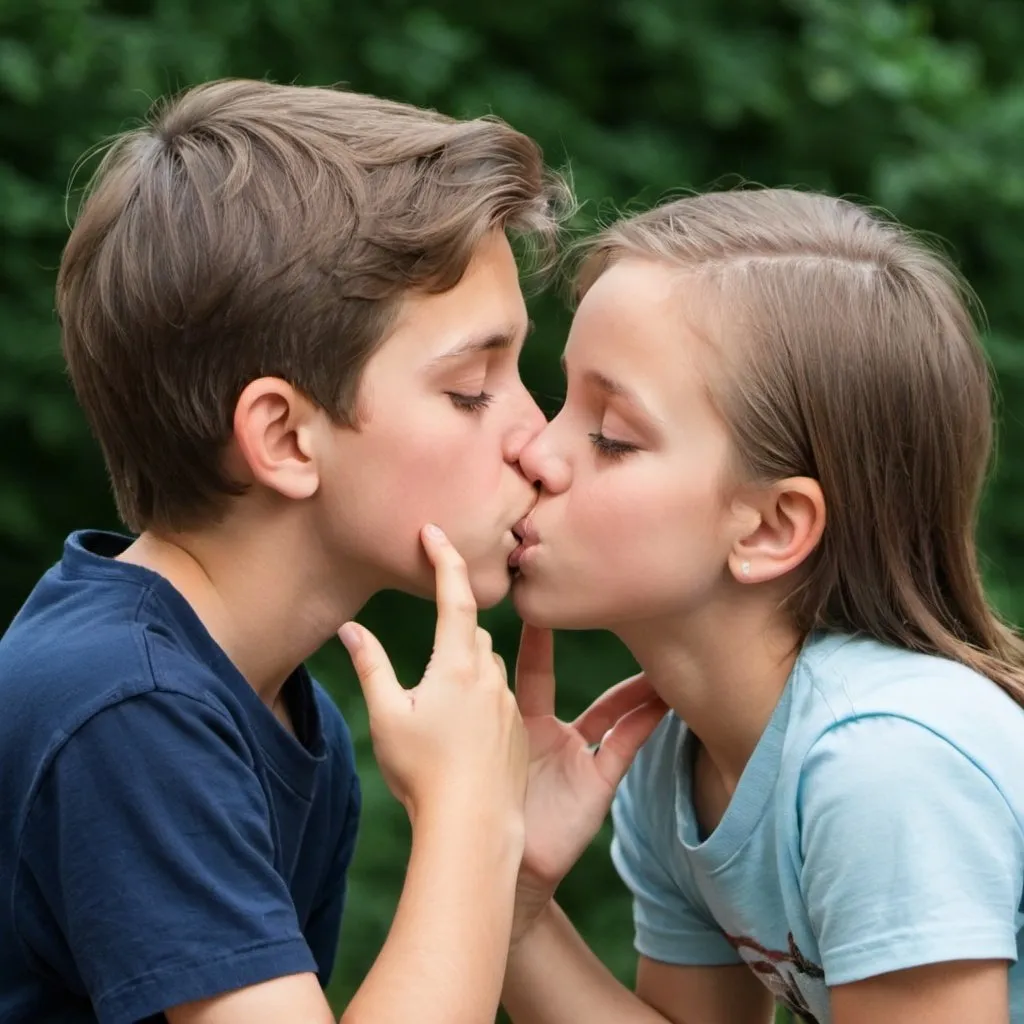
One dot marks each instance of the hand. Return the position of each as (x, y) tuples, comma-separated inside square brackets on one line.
[(456, 740), (571, 786)]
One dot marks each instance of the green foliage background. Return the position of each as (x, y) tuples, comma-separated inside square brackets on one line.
[(917, 105)]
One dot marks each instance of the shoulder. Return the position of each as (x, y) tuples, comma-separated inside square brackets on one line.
[(897, 722), (142, 736), (86, 640), (884, 786), (106, 724), (59, 669), (845, 680), (887, 759), (100, 696), (909, 850), (858, 676)]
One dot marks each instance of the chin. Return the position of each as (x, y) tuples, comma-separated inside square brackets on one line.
[(490, 588), (549, 611), (489, 577)]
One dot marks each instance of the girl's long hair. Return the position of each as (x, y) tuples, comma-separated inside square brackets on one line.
[(845, 350)]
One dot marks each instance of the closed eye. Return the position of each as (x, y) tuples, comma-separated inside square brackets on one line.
[(609, 448), (470, 403)]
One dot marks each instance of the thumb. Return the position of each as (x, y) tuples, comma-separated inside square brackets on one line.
[(373, 667), (625, 738), (535, 672)]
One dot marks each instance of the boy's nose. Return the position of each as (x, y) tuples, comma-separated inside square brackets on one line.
[(530, 423)]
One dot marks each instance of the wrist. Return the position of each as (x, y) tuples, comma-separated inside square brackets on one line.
[(470, 822), (531, 909)]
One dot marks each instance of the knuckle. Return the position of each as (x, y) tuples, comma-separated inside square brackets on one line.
[(364, 665), (463, 671), (452, 562), (464, 605), (371, 668), (502, 671), (454, 559), (374, 674)]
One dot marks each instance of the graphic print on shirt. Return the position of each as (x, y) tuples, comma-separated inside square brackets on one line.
[(778, 972)]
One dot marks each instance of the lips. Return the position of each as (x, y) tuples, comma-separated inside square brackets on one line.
[(524, 532)]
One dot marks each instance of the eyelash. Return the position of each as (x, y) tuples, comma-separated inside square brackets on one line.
[(470, 403), (609, 448)]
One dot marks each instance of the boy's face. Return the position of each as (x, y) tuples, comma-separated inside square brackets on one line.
[(443, 417)]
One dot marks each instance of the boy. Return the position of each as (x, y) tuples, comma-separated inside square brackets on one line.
[(292, 318)]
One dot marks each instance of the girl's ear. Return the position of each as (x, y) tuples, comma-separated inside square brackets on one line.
[(784, 525)]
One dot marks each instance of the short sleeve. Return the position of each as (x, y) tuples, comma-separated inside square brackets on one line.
[(148, 844), (669, 926), (911, 854)]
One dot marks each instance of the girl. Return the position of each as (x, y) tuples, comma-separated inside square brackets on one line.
[(765, 481)]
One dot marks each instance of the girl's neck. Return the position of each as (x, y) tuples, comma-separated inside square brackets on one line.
[(722, 672)]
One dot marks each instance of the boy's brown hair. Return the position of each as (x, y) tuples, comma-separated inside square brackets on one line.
[(249, 230)]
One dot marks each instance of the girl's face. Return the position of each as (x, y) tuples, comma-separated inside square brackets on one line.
[(637, 512)]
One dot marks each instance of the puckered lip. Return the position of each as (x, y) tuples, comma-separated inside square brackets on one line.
[(525, 532)]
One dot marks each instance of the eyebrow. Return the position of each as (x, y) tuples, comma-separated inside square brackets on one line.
[(615, 389), (492, 342)]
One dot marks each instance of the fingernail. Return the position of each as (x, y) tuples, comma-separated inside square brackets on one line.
[(434, 531), (350, 636)]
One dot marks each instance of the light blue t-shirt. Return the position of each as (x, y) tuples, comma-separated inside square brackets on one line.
[(878, 825)]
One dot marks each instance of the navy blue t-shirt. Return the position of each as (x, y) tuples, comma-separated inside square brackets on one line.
[(163, 838)]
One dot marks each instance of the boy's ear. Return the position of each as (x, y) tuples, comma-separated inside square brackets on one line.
[(782, 525), (274, 431)]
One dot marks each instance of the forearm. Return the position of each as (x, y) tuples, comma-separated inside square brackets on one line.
[(444, 958), (554, 978)]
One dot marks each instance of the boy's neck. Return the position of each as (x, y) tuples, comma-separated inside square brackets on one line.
[(722, 672), (263, 593)]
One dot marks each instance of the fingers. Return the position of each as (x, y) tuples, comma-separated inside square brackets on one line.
[(535, 672), (484, 643), (486, 656), (611, 706), (627, 736), (456, 607), (376, 676), (500, 662)]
